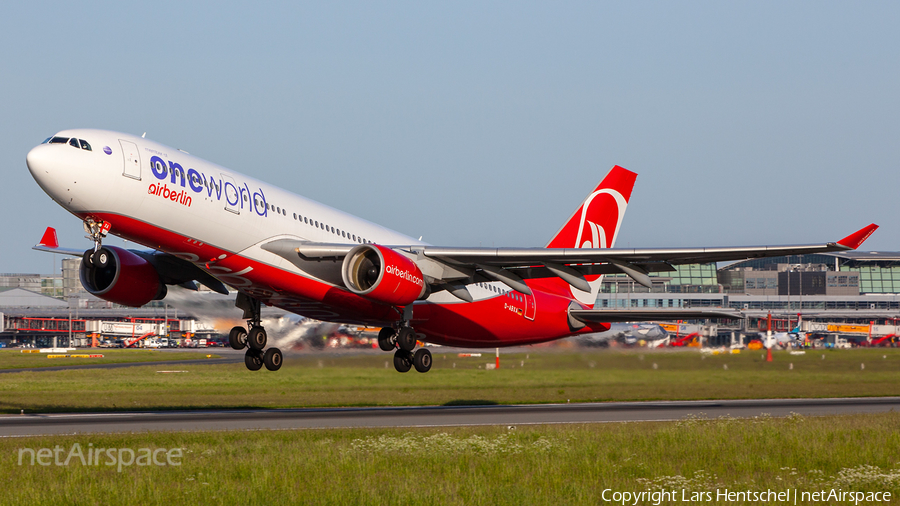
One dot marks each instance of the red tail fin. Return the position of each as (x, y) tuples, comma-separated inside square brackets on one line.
[(595, 224)]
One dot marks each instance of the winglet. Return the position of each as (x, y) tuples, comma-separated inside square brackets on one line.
[(49, 240), (856, 239)]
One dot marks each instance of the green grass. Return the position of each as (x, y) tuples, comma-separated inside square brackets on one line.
[(15, 359), (534, 465), (536, 377)]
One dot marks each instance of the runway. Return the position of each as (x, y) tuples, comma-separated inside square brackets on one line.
[(431, 416)]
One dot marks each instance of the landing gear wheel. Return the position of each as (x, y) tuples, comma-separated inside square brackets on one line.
[(100, 258), (402, 360), (256, 339), (406, 339), (384, 339), (422, 360), (253, 359), (273, 359), (86, 259), (237, 338)]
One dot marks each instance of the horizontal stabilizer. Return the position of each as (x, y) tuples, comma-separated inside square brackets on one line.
[(650, 314)]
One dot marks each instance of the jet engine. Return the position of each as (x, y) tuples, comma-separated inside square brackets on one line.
[(121, 276), (383, 275)]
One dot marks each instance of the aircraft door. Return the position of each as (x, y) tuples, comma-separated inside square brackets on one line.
[(232, 195), (132, 160), (530, 308)]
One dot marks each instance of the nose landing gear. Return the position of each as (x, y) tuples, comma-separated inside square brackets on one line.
[(255, 340), (96, 230)]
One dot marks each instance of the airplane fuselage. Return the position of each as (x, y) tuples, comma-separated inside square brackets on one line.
[(216, 218)]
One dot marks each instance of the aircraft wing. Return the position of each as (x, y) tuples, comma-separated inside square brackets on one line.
[(512, 265), (171, 269), (50, 244)]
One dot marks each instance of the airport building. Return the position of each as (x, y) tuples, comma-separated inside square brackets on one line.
[(849, 288)]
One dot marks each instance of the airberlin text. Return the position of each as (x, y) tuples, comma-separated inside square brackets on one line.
[(405, 275), (791, 496), (163, 191), (236, 196)]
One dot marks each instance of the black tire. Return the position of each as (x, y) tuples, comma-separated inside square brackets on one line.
[(253, 359), (422, 360), (86, 259), (256, 338), (402, 360), (384, 339), (237, 338), (406, 339), (101, 258), (273, 359)]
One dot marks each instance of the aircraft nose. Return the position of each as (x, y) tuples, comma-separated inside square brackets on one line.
[(39, 161)]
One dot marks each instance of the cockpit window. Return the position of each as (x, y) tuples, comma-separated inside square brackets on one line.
[(74, 142), (85, 145), (46, 140), (59, 140)]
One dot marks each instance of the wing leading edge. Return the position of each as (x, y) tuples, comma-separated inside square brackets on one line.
[(468, 265)]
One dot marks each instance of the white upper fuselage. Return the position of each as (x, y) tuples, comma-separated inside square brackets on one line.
[(209, 203)]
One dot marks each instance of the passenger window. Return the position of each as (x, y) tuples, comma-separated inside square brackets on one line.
[(195, 182), (74, 143), (295, 216), (304, 220), (59, 140), (84, 145)]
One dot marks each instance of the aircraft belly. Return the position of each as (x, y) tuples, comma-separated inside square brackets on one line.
[(491, 323)]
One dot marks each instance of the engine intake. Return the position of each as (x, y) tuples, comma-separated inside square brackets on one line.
[(126, 278), (383, 275)]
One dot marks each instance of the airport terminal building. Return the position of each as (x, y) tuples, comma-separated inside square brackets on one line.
[(851, 287)]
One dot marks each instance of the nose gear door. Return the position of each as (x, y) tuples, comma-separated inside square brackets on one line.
[(132, 160)]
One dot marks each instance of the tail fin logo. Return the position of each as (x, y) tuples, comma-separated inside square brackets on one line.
[(598, 219)]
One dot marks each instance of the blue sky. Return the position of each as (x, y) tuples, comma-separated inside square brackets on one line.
[(482, 123)]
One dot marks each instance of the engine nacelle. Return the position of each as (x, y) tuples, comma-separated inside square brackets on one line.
[(383, 275), (126, 278)]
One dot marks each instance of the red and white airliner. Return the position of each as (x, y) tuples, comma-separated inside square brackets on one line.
[(210, 225)]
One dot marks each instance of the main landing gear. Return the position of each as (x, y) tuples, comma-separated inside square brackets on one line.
[(254, 340), (403, 340)]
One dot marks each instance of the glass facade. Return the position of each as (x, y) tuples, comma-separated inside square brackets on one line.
[(694, 274), (876, 279)]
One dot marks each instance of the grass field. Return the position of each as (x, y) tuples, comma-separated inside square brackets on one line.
[(537, 377), (533, 465), (15, 359)]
